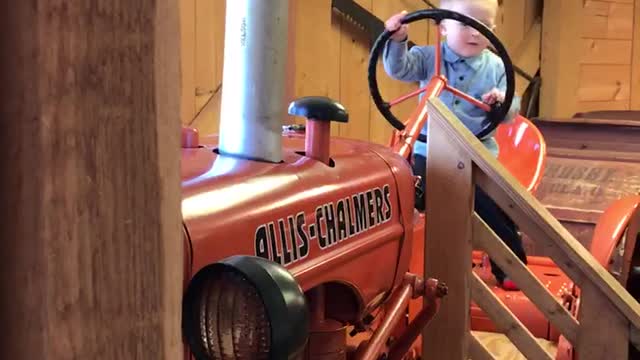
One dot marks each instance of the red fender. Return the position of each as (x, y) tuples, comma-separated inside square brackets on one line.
[(611, 226), (609, 230)]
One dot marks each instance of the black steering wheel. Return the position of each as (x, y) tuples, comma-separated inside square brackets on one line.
[(495, 113)]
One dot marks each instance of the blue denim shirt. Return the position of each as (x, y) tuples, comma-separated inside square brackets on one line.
[(473, 75)]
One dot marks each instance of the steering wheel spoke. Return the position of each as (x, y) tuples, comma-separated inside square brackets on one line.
[(407, 96), (468, 98)]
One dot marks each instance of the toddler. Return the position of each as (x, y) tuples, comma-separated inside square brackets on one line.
[(470, 67)]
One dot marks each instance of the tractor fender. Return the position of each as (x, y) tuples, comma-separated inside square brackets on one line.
[(400, 168), (611, 226)]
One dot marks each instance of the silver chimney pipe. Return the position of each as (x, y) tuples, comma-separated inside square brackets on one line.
[(255, 54)]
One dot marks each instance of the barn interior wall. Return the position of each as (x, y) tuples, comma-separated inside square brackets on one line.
[(586, 51), (590, 56)]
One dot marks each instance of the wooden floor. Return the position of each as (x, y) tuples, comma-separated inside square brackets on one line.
[(502, 348)]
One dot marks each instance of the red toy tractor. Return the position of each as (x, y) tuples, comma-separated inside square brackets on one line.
[(316, 254)]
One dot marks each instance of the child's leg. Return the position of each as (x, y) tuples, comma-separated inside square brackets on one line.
[(503, 226), (420, 169), (488, 211)]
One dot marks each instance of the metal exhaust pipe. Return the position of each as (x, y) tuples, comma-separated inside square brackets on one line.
[(254, 73)]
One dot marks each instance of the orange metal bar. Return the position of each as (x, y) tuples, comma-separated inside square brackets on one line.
[(438, 53), (396, 313), (434, 292), (317, 140), (468, 98), (408, 96), (417, 120)]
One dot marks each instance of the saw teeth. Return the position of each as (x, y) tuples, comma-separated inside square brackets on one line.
[(350, 19)]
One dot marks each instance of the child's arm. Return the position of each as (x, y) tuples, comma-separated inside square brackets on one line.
[(406, 65), (399, 63)]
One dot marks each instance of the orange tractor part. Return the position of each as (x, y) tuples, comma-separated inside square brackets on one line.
[(317, 254), (347, 268)]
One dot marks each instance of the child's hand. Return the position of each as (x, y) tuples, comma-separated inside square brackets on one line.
[(493, 96), (393, 23)]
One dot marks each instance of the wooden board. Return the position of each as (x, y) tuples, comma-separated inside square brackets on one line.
[(317, 53), (587, 185), (354, 88), (561, 24), (608, 20), (604, 83), (92, 247), (506, 321), (449, 180), (187, 60), (605, 51), (477, 350), (590, 164), (577, 191), (589, 51), (530, 215), (502, 348), (209, 19)]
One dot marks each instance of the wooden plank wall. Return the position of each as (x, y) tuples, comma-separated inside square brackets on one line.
[(590, 56), (330, 57), (202, 24)]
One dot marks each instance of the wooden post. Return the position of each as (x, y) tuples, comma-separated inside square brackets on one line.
[(604, 331), (447, 249), (91, 244)]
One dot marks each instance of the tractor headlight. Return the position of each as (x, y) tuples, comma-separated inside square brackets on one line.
[(245, 308)]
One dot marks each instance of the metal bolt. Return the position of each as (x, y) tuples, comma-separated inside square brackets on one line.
[(460, 165)]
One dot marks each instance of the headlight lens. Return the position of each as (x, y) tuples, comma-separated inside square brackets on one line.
[(245, 307), (231, 318)]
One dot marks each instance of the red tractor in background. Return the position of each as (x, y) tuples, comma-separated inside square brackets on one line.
[(304, 246)]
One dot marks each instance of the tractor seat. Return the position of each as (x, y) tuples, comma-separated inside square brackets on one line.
[(522, 151)]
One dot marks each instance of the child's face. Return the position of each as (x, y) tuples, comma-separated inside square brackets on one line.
[(465, 40)]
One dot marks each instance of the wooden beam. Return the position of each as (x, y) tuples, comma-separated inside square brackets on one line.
[(487, 240), (505, 320), (532, 217), (602, 336), (92, 248), (447, 247)]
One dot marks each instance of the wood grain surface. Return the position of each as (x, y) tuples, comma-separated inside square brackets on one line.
[(91, 241)]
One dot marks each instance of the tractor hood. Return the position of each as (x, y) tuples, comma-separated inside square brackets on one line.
[(299, 212)]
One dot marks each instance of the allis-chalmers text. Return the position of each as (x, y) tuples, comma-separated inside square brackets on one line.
[(287, 240)]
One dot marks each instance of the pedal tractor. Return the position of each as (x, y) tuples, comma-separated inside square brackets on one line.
[(317, 256)]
